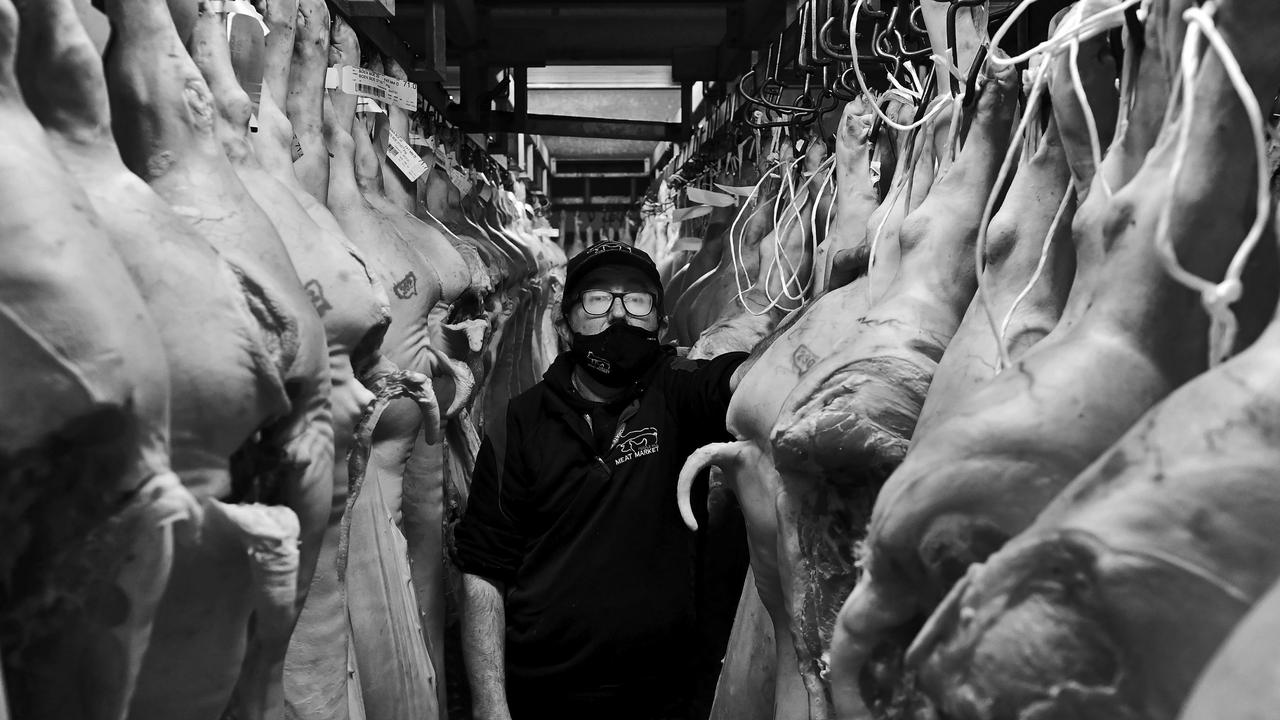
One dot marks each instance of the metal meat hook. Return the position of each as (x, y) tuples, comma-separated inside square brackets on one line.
[(954, 7)]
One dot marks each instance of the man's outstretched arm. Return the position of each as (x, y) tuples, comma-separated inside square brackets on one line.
[(484, 647)]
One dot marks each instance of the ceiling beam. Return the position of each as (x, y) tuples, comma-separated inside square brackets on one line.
[(464, 23), (434, 39), (571, 126), (551, 40)]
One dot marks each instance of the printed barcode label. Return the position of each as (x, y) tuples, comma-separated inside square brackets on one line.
[(403, 156), (383, 88)]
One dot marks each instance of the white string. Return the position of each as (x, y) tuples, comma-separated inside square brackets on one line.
[(813, 215), (781, 266), (792, 272), (1216, 298), (1082, 28), (735, 244), (1002, 339)]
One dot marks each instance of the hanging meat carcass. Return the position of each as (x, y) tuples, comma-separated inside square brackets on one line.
[(164, 120), (699, 263), (1087, 611), (91, 504), (306, 86), (981, 475), (747, 465), (397, 675), (706, 297), (1239, 683), (782, 279), (846, 426)]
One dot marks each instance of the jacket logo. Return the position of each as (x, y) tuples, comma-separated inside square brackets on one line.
[(637, 443)]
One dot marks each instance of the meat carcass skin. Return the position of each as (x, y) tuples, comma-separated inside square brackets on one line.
[(165, 123), (397, 677), (1015, 245), (1239, 682), (310, 47), (90, 499), (1086, 612), (982, 475), (816, 331), (847, 425)]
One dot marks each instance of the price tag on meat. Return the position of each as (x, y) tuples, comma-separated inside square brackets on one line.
[(399, 152), (383, 88), (459, 179)]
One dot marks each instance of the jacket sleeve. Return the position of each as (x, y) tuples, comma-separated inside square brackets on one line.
[(487, 540), (698, 391)]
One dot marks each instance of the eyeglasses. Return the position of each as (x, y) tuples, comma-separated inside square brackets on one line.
[(600, 302)]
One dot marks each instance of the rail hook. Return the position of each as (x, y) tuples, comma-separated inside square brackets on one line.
[(817, 53), (952, 9), (835, 50)]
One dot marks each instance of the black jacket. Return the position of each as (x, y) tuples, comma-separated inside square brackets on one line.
[(588, 540)]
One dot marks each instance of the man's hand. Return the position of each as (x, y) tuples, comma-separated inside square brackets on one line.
[(484, 646)]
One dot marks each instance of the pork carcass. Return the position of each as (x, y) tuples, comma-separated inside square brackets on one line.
[(165, 122), (706, 297), (847, 424), (353, 308), (1025, 278), (782, 279), (858, 222), (701, 262), (1239, 683), (981, 475), (398, 676), (1086, 612), (310, 46), (747, 467), (91, 503)]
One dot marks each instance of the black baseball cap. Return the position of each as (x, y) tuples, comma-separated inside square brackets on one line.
[(605, 254)]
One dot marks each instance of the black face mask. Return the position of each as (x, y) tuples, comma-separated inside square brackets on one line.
[(617, 355)]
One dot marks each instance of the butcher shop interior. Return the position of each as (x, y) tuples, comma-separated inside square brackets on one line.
[(639, 360)]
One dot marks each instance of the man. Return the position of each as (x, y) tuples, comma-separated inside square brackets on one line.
[(578, 570)]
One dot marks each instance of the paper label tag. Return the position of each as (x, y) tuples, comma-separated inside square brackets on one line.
[(460, 180), (547, 232), (403, 156), (689, 213), (383, 88), (368, 105), (739, 191), (296, 148), (691, 244), (486, 192), (707, 197)]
